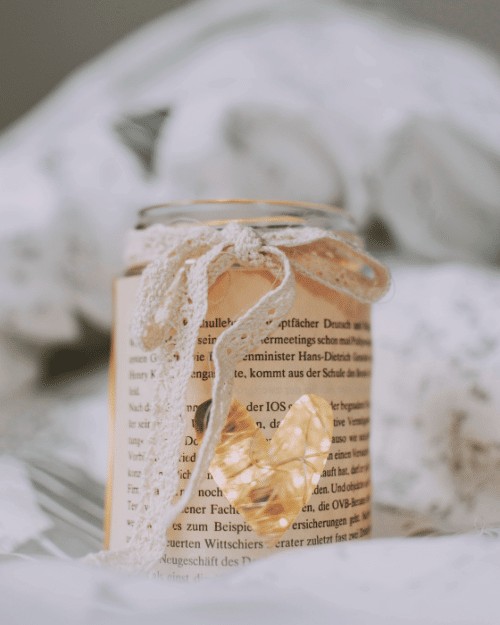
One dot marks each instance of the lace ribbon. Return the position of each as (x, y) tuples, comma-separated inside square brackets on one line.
[(171, 306)]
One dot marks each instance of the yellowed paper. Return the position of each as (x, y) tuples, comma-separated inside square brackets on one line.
[(323, 348)]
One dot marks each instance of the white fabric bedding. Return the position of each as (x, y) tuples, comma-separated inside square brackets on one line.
[(307, 100), (434, 580)]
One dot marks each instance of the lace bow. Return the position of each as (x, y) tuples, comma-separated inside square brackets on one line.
[(171, 306)]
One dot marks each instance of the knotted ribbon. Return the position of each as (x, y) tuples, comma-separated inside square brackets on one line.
[(171, 306)]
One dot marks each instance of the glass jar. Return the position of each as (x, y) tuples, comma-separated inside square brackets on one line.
[(321, 349)]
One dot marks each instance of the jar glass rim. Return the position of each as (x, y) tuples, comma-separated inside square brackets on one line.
[(218, 212)]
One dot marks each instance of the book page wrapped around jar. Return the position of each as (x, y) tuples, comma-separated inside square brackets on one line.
[(240, 387)]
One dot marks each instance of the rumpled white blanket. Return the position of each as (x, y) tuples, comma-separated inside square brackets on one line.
[(287, 99), (307, 100), (388, 582), (20, 516)]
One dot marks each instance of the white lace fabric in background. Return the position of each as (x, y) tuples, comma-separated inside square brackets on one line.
[(171, 305)]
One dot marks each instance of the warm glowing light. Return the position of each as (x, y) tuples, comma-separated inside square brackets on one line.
[(246, 476), (298, 480), (235, 456), (269, 482), (218, 475), (325, 445)]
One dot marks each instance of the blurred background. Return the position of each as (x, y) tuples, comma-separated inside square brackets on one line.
[(41, 42), (388, 108)]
